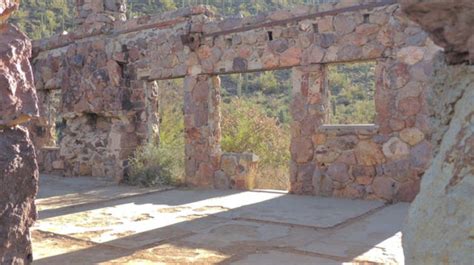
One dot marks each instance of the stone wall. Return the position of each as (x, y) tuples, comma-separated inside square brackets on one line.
[(49, 161), (18, 167), (102, 72), (439, 228), (237, 171)]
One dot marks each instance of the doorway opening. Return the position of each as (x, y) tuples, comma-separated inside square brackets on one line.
[(160, 161), (256, 120)]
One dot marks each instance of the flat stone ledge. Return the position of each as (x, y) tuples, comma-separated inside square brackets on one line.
[(50, 148), (349, 128)]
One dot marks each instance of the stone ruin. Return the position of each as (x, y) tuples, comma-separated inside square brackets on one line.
[(18, 167), (106, 72)]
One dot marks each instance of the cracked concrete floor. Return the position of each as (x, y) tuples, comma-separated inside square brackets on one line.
[(88, 221)]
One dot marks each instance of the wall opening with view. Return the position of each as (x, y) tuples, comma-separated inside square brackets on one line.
[(351, 92), (48, 129), (256, 119), (161, 161)]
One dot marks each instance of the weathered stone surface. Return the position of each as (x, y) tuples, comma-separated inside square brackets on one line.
[(449, 24), (363, 174), (412, 136), (18, 188), (410, 55), (302, 150), (338, 172), (18, 167), (18, 101), (229, 164), (385, 188), (221, 181), (368, 153), (407, 191), (395, 149), (445, 201)]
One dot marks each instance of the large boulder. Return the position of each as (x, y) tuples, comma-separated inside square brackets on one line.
[(18, 187), (18, 167), (449, 23), (18, 101), (440, 224)]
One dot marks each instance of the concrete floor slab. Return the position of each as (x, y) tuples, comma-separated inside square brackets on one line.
[(302, 210), (209, 227), (367, 238), (59, 192), (239, 232), (281, 258)]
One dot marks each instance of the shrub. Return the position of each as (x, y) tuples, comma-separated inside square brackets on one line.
[(247, 128), (163, 164), (153, 165)]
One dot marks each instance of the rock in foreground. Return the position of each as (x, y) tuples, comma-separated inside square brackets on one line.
[(18, 167), (440, 225), (18, 187)]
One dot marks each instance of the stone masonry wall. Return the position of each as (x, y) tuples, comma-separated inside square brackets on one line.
[(99, 72)]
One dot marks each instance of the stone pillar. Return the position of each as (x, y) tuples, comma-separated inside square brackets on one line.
[(18, 167), (100, 11), (202, 129), (309, 111)]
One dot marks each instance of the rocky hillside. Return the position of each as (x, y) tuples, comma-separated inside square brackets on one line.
[(42, 18)]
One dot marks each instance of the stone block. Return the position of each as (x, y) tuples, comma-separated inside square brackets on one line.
[(395, 149), (412, 136), (368, 153), (229, 163), (301, 150), (338, 172)]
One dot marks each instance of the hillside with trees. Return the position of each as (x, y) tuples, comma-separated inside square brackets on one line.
[(43, 18)]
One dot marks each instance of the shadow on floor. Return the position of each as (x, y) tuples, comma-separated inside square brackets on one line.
[(221, 227)]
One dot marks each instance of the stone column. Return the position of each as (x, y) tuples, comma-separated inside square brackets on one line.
[(202, 129), (309, 111), (144, 97)]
